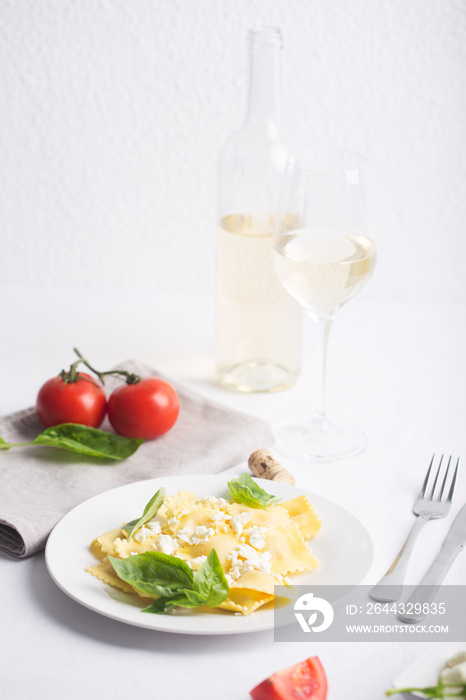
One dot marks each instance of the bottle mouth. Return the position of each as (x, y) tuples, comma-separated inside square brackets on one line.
[(264, 37)]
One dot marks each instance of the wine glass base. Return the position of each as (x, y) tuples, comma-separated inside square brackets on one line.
[(318, 441)]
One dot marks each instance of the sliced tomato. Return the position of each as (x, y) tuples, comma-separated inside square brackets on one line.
[(305, 681)]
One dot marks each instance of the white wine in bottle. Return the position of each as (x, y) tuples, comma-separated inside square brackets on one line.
[(258, 324)]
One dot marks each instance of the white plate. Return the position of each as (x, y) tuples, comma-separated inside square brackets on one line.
[(343, 547), (425, 670)]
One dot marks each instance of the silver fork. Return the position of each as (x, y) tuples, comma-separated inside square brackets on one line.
[(426, 507)]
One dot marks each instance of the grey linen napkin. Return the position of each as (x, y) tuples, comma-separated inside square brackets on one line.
[(39, 485)]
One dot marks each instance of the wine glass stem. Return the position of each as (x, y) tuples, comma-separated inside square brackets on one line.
[(323, 329)]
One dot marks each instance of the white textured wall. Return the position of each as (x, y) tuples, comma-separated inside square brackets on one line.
[(112, 113)]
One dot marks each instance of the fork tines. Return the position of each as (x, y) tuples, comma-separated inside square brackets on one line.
[(453, 481)]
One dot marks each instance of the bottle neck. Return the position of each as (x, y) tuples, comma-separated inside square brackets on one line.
[(263, 108)]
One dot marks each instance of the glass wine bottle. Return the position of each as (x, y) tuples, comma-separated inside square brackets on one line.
[(258, 325)]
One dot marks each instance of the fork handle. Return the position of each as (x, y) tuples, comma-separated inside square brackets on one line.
[(425, 592), (390, 586)]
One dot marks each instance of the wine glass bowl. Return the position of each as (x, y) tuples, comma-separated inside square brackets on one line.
[(324, 254)]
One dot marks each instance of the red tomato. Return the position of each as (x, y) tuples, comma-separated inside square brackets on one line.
[(306, 681), (146, 409), (82, 401)]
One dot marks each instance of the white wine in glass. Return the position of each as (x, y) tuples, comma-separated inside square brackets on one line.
[(324, 253)]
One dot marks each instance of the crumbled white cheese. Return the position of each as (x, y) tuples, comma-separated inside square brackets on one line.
[(211, 501), (256, 536), (174, 521), (196, 562), (142, 534), (239, 521), (245, 558), (197, 536), (155, 526), (172, 524), (202, 534), (165, 544), (221, 516), (184, 535)]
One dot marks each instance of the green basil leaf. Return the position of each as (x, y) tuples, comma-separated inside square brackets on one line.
[(4, 445), (88, 441), (160, 606), (150, 511), (210, 588), (210, 581), (170, 578), (154, 573), (243, 489), (189, 599)]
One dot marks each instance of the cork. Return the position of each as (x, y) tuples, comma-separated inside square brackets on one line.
[(264, 465)]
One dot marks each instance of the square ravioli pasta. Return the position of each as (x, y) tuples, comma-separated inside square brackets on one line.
[(257, 547)]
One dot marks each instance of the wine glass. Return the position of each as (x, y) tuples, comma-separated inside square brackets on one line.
[(323, 255)]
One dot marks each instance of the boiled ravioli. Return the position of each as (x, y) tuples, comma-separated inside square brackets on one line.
[(257, 548), (303, 514)]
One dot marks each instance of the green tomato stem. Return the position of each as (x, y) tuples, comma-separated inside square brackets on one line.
[(72, 376), (130, 377)]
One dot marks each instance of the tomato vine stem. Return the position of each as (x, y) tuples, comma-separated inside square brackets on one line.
[(129, 377)]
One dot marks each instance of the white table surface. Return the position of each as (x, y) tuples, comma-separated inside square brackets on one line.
[(397, 370)]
